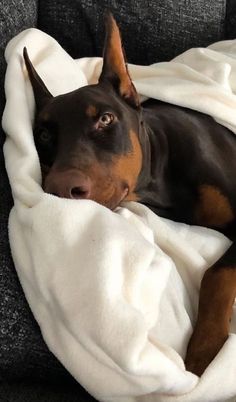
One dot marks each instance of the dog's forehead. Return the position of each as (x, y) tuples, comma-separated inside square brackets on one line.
[(89, 101)]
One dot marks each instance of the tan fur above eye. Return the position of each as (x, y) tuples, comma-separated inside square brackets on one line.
[(91, 111)]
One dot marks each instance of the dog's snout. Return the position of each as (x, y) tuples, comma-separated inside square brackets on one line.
[(69, 184), (82, 191)]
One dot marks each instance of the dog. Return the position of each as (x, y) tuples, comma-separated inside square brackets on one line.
[(98, 142)]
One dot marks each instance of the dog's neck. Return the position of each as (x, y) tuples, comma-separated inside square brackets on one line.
[(152, 183)]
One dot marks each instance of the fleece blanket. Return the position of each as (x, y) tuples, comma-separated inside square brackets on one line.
[(116, 293)]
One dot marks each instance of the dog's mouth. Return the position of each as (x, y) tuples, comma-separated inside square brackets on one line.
[(117, 200), (117, 194), (45, 169), (78, 193)]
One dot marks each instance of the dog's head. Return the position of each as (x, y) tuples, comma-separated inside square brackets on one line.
[(88, 139)]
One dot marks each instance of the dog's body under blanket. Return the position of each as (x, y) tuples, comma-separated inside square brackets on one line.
[(115, 294)]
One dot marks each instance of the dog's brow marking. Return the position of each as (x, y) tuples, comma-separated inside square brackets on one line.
[(45, 116), (213, 207), (91, 111)]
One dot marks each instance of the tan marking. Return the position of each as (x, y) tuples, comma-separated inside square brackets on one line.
[(217, 295), (91, 111), (128, 167), (131, 197), (45, 115), (213, 208)]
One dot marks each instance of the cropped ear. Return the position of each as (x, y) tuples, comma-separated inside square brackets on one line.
[(41, 93), (114, 68)]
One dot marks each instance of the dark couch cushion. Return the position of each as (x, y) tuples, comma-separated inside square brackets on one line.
[(153, 30), (42, 392), (15, 16), (230, 25), (18, 334)]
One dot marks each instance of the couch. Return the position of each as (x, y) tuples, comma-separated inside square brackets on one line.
[(154, 30)]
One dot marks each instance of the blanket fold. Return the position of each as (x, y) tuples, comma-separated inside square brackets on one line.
[(116, 293)]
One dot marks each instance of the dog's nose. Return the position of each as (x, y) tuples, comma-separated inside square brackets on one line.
[(68, 184)]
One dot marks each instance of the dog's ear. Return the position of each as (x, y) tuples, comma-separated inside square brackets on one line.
[(41, 93), (114, 68)]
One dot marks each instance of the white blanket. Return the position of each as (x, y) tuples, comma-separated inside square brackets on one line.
[(115, 294)]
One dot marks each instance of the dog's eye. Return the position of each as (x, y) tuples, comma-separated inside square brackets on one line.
[(44, 136), (105, 120)]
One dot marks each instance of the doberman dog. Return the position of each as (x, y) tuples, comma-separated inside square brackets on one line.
[(98, 142)]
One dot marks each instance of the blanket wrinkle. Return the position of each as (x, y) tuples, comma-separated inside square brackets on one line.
[(115, 293)]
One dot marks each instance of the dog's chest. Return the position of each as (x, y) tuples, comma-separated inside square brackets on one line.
[(192, 163)]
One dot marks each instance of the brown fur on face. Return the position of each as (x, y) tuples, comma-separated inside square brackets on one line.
[(129, 166), (91, 111), (115, 181)]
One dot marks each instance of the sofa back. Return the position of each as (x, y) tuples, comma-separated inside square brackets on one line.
[(152, 30)]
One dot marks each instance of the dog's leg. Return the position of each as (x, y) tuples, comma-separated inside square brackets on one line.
[(217, 295)]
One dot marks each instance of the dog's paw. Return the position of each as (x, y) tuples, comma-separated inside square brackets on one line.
[(203, 346)]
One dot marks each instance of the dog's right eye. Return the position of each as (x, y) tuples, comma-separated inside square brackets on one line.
[(46, 145), (44, 136), (105, 120)]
